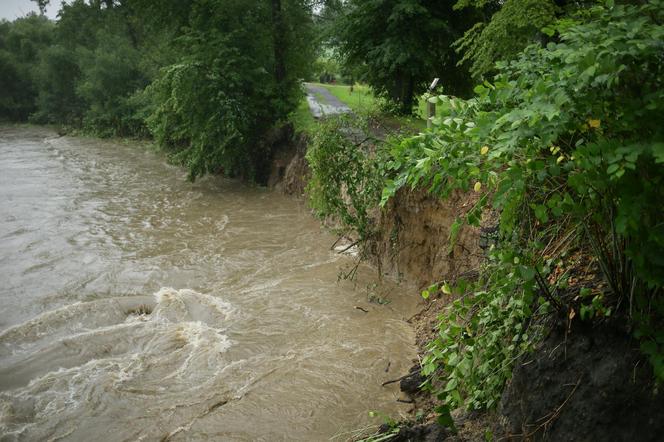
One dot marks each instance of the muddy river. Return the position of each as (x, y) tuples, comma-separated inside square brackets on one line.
[(135, 305)]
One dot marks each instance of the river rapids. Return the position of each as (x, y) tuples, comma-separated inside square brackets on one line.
[(135, 305)]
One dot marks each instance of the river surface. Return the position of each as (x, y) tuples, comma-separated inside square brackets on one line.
[(135, 305)]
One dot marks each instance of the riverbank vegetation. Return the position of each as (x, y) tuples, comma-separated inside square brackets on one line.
[(206, 79), (564, 144), (549, 112)]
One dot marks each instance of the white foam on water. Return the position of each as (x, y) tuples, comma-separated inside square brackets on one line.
[(82, 363), (221, 223)]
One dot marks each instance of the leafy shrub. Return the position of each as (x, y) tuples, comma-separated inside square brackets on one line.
[(567, 144), (201, 115), (515, 25), (346, 179), (213, 106)]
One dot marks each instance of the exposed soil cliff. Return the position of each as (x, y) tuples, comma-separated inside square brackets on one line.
[(414, 238), (290, 172)]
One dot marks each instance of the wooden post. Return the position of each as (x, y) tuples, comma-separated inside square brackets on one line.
[(431, 113), (431, 107)]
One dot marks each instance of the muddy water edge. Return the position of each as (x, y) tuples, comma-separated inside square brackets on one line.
[(140, 306)]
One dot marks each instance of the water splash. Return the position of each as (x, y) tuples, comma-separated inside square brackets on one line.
[(111, 354)]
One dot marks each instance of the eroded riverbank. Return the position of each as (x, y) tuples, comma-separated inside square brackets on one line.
[(256, 340)]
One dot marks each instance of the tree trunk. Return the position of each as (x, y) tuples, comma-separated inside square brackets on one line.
[(408, 98), (278, 33), (405, 89)]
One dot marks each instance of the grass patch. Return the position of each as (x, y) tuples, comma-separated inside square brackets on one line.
[(412, 123), (361, 100), (301, 117)]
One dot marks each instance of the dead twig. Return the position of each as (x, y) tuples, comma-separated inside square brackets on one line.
[(549, 418)]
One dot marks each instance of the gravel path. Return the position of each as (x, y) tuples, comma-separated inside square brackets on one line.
[(331, 105)]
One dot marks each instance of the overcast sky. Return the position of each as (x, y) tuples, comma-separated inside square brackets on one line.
[(12, 9)]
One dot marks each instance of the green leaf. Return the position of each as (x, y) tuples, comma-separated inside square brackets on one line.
[(550, 31), (541, 212), (445, 417), (527, 273)]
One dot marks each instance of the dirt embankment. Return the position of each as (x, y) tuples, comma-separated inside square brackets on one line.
[(582, 383), (414, 238)]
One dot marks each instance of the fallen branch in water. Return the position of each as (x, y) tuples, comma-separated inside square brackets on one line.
[(414, 372), (349, 247)]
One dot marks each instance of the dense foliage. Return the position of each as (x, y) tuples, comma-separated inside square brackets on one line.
[(402, 45), (206, 78), (86, 77), (566, 144), (510, 26), (20, 44), (224, 93), (346, 179)]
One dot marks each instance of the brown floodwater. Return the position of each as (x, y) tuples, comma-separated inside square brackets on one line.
[(135, 305)]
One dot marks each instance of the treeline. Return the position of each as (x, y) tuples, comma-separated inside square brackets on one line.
[(206, 78), (400, 46)]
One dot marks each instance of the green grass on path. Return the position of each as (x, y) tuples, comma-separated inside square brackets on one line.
[(361, 100)]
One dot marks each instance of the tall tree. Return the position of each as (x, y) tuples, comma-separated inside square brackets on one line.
[(506, 28), (234, 79), (21, 43), (403, 44)]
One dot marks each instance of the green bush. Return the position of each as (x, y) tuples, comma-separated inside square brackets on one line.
[(567, 145), (346, 179), (21, 42), (215, 104)]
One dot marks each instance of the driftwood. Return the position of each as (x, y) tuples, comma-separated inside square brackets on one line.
[(414, 372)]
